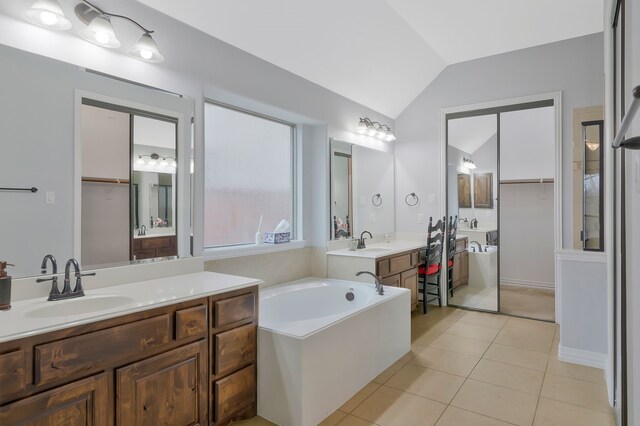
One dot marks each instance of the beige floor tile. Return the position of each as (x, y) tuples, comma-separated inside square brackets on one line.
[(527, 302), (421, 337), (473, 331), (523, 340), (386, 374), (406, 357), (485, 320), (357, 399), (255, 421), (333, 419), (516, 356), (425, 382), (428, 323), (531, 327), (496, 401), (391, 407), (578, 392), (575, 371), (354, 421), (509, 376), (449, 362), (453, 416), (464, 345), (449, 313), (556, 413)]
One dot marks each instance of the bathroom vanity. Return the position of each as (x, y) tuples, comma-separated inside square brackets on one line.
[(461, 263), (396, 263), (179, 350)]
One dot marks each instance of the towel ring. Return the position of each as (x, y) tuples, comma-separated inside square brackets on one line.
[(376, 200), (414, 197)]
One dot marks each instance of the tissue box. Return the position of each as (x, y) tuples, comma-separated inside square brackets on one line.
[(277, 237)]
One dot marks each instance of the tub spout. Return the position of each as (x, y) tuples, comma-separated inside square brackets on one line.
[(379, 287)]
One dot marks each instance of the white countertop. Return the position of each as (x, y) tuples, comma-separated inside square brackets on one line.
[(25, 317), (375, 251)]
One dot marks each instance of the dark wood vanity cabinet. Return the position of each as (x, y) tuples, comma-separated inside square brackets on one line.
[(461, 263), (150, 247), (191, 363), (400, 270)]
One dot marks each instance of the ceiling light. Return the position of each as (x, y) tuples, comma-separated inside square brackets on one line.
[(47, 14), (468, 163), (146, 49), (100, 32)]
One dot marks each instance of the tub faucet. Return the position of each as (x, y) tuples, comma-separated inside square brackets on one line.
[(379, 287), (479, 246), (361, 240)]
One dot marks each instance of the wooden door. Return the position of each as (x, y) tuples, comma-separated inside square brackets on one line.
[(168, 389), (85, 402), (409, 279), (483, 190)]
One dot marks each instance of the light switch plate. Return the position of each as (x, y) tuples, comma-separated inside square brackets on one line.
[(50, 197)]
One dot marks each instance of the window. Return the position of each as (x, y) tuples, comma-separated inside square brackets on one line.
[(249, 171)]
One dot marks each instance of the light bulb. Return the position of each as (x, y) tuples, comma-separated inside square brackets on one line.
[(100, 32), (48, 18), (146, 49), (371, 130)]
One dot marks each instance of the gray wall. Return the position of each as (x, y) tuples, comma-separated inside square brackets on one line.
[(573, 66)]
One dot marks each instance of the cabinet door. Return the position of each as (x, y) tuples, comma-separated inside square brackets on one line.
[(170, 388), (85, 402), (409, 279), (457, 259), (393, 280), (464, 268)]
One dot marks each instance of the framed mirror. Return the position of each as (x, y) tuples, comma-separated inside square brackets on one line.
[(341, 190), (592, 234), (42, 113)]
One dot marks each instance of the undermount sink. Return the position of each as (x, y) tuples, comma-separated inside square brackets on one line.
[(81, 305)]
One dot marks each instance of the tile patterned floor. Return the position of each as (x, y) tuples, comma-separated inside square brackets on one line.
[(471, 368)]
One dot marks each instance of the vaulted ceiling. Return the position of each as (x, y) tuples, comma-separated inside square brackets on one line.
[(383, 53)]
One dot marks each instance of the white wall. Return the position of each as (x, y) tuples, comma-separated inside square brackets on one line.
[(573, 66)]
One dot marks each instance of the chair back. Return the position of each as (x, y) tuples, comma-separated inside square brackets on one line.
[(435, 242), (451, 243)]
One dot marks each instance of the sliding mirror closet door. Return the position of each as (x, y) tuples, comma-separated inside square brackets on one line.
[(472, 182), (527, 174)]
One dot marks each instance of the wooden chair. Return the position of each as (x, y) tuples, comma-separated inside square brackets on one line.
[(429, 271), (451, 251)]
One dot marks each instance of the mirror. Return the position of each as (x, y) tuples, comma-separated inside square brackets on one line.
[(592, 186), (472, 162), (361, 186), (42, 113)]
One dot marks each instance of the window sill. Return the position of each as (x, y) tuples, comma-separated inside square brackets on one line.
[(249, 250)]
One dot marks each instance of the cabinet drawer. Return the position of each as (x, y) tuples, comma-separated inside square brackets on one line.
[(156, 243), (191, 322), (93, 351), (393, 280), (234, 392), (234, 349), (399, 263), (234, 309), (415, 256), (13, 372), (383, 267)]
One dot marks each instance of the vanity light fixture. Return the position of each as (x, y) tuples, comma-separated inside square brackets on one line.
[(154, 159), (468, 163), (101, 32), (47, 14), (375, 129)]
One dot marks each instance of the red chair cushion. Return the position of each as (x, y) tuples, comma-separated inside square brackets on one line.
[(432, 269), (450, 263)]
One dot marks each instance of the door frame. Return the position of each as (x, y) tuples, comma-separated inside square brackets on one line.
[(556, 97)]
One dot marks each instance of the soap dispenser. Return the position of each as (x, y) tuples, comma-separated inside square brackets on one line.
[(5, 287)]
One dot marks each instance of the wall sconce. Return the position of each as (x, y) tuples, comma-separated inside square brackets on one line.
[(156, 160), (468, 163), (375, 129), (48, 14)]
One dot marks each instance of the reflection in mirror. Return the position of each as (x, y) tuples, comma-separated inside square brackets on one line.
[(42, 113), (471, 192), (367, 197), (341, 190), (592, 186)]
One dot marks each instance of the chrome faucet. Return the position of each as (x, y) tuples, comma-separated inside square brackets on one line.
[(479, 246), (379, 287), (361, 244), (54, 293)]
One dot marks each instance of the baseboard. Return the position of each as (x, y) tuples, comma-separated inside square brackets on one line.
[(525, 283), (578, 356)]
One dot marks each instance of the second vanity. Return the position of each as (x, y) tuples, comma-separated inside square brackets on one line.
[(179, 350), (396, 263)]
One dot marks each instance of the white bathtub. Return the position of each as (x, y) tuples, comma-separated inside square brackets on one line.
[(483, 266), (316, 349)]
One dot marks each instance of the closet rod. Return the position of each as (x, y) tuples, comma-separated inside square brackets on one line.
[(632, 143), (105, 180), (515, 181)]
